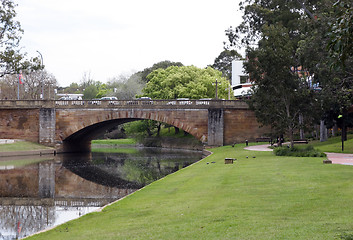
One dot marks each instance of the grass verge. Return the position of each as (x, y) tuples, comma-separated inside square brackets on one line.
[(126, 141), (334, 144), (261, 196), (21, 146)]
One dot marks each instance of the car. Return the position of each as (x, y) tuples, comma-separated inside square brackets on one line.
[(146, 100), (65, 98), (108, 98), (112, 100)]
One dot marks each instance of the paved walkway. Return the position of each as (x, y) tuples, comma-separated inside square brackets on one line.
[(263, 148), (336, 158)]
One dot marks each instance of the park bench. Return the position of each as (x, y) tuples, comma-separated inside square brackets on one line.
[(263, 139), (300, 141)]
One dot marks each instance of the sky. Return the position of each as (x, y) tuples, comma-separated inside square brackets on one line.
[(110, 38)]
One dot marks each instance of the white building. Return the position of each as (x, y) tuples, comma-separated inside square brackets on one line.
[(240, 80)]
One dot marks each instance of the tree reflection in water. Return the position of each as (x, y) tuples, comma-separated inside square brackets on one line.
[(74, 185)]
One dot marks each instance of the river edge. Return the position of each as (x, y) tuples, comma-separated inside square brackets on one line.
[(205, 154)]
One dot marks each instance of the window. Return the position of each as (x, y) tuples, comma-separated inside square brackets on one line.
[(244, 79)]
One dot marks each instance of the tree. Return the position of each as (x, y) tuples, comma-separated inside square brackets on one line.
[(280, 96), (341, 44), (163, 65), (32, 85), (11, 59), (125, 87), (223, 62), (341, 51), (185, 82), (305, 24)]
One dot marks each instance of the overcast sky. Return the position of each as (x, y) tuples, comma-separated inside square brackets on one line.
[(108, 38)]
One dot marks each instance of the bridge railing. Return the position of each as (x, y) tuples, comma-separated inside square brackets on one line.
[(192, 103)]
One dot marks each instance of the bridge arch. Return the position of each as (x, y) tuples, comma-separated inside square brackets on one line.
[(79, 131)]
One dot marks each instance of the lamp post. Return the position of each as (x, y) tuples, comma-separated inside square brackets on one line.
[(216, 88), (41, 77)]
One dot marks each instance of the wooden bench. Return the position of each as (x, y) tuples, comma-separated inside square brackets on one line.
[(300, 141), (263, 139), (229, 160)]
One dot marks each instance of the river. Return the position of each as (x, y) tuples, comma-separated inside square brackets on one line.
[(40, 192)]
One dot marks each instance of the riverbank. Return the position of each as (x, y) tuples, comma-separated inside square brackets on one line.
[(260, 196), (15, 147), (160, 142)]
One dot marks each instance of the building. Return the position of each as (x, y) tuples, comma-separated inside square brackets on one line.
[(241, 84)]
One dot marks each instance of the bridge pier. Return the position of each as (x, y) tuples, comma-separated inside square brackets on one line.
[(47, 123), (215, 127), (46, 182)]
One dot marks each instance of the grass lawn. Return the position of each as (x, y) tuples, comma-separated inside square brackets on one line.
[(126, 141), (115, 150), (266, 197), (21, 146), (334, 144)]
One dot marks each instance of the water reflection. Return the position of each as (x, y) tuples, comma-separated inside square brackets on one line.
[(39, 193)]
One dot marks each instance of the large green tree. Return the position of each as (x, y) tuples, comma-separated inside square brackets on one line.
[(341, 51), (185, 82), (280, 96), (272, 31), (142, 75)]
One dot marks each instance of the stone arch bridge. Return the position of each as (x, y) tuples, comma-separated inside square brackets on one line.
[(71, 125)]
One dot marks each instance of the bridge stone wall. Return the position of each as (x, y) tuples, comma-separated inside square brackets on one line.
[(20, 124), (241, 125)]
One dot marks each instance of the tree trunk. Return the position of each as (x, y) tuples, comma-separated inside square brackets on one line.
[(159, 129), (334, 129), (176, 130), (291, 137), (301, 131), (323, 131)]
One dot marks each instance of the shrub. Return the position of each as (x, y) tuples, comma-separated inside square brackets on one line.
[(308, 151)]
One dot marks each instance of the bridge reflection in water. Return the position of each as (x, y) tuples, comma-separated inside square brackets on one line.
[(36, 194)]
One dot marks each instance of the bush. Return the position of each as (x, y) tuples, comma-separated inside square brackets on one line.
[(308, 151)]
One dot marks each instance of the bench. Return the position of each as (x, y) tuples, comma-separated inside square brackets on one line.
[(301, 141), (229, 160), (264, 139)]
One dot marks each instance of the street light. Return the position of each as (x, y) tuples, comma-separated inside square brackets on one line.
[(216, 87), (41, 77)]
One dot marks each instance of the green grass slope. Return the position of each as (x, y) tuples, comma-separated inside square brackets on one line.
[(265, 197)]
